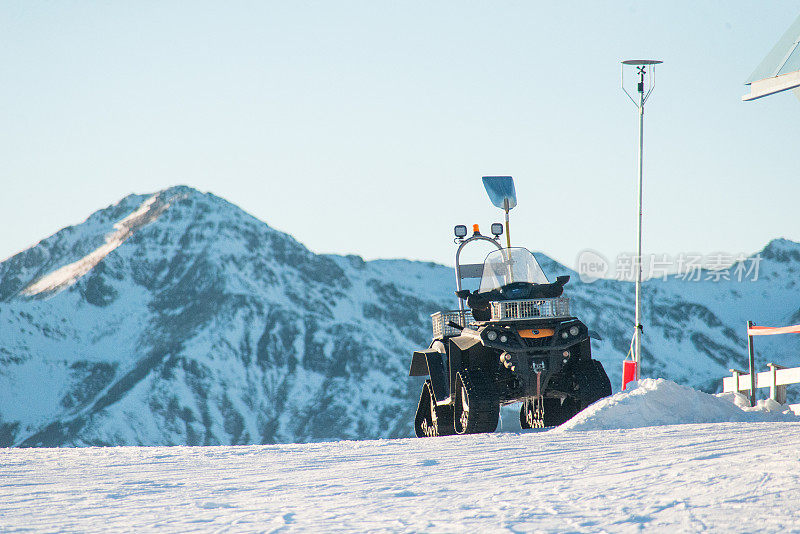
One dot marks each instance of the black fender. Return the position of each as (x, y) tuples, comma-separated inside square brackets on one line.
[(429, 362)]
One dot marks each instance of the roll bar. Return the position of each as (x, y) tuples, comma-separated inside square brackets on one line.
[(470, 270)]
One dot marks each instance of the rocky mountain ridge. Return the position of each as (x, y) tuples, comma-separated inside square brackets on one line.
[(177, 318)]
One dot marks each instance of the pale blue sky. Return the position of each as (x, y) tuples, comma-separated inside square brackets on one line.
[(364, 127)]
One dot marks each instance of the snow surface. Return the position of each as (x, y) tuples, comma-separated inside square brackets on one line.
[(725, 477), (669, 478)]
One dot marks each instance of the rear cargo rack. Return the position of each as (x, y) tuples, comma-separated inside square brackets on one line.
[(440, 319), (507, 310)]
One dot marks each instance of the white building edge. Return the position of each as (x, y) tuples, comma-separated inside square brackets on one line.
[(780, 69)]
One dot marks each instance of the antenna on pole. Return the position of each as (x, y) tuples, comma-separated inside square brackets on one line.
[(641, 66)]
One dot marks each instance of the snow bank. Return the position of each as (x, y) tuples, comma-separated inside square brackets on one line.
[(655, 402)]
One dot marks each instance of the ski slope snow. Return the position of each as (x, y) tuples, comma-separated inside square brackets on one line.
[(726, 477)]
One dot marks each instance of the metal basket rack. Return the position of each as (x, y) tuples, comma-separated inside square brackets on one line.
[(507, 310), (440, 319)]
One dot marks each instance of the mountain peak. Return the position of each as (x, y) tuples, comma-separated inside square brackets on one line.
[(60, 260), (781, 250), (147, 211), (181, 189)]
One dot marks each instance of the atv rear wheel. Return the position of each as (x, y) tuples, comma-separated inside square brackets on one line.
[(558, 411), (547, 412), (477, 405), (530, 414), (432, 420), (424, 425), (444, 417)]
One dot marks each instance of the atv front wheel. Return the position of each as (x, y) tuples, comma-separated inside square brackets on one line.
[(592, 382), (477, 405)]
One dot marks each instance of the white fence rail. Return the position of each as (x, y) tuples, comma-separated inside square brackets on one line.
[(776, 379), (776, 384)]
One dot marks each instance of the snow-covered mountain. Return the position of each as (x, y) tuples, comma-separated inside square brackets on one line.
[(177, 318)]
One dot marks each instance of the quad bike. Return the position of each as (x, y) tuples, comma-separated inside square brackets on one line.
[(517, 342)]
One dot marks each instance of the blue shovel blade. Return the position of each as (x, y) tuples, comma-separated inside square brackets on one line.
[(500, 189)]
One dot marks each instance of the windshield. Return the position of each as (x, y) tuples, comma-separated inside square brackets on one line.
[(509, 265)]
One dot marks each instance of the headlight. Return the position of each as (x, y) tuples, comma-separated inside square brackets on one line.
[(574, 331), (565, 334), (491, 335), (503, 338)]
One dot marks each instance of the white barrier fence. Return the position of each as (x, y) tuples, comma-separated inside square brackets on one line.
[(776, 390), (776, 379)]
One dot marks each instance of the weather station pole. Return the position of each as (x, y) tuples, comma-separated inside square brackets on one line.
[(641, 66)]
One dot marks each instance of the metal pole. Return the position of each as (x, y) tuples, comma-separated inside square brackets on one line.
[(752, 366), (641, 65), (508, 227), (637, 356)]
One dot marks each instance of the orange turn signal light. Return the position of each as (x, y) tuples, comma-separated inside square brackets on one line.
[(476, 229), (536, 332)]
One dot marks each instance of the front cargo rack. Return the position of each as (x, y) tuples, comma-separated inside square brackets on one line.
[(507, 310), (440, 319)]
